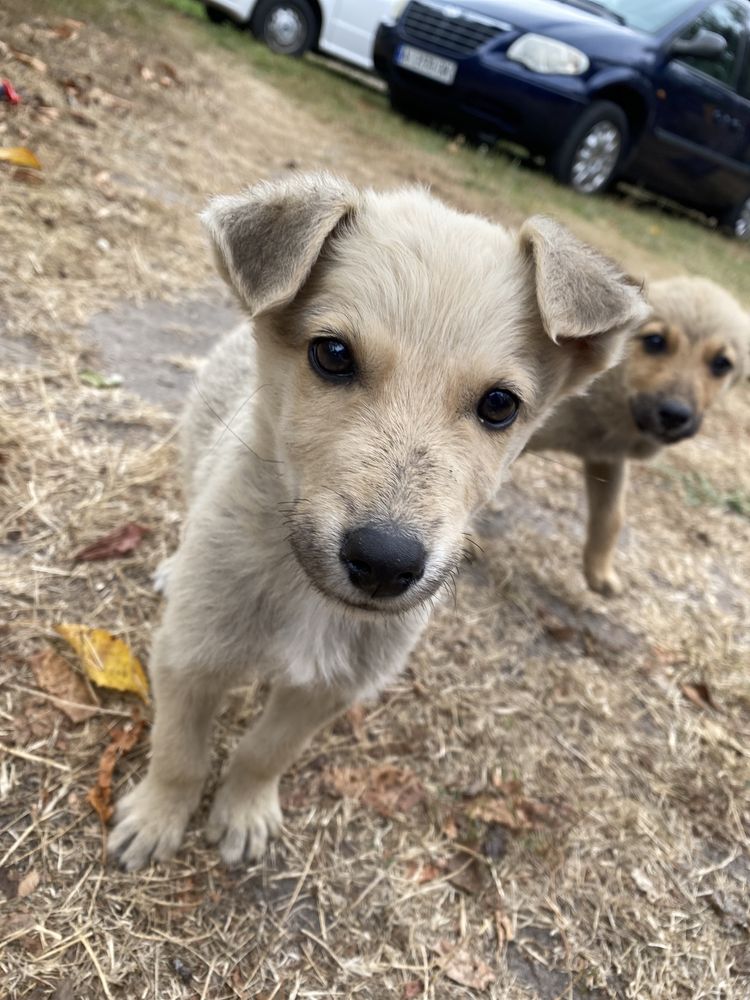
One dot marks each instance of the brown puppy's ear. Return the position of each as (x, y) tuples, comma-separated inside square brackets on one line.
[(582, 296), (267, 239)]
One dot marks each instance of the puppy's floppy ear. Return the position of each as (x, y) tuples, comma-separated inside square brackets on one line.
[(582, 296), (267, 239)]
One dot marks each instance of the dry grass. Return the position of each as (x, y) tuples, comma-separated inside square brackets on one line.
[(627, 872)]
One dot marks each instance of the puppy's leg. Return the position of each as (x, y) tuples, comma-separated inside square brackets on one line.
[(150, 820), (605, 487), (246, 811)]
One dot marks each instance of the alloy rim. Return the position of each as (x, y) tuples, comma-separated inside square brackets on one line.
[(285, 29), (596, 158), (742, 222)]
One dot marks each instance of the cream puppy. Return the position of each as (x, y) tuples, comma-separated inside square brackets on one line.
[(398, 357)]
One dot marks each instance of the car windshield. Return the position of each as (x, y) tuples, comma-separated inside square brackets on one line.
[(645, 15)]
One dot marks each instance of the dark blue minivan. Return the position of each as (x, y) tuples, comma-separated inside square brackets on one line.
[(656, 92)]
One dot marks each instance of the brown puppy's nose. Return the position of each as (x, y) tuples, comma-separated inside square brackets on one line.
[(382, 559), (675, 417)]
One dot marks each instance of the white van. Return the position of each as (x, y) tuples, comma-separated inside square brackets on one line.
[(342, 28)]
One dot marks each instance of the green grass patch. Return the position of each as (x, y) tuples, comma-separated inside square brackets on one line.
[(697, 490)]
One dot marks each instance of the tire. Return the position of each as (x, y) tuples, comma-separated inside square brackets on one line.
[(737, 221), (589, 158), (407, 105), (215, 14), (289, 27)]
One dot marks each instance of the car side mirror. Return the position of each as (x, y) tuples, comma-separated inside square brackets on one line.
[(704, 44)]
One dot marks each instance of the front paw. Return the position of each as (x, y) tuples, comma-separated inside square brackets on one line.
[(150, 823), (243, 820), (604, 581)]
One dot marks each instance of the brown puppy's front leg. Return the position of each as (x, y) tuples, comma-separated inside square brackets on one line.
[(605, 488), (246, 810), (150, 820)]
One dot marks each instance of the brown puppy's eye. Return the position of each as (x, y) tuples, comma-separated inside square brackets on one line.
[(332, 359), (720, 365), (498, 408), (654, 343)]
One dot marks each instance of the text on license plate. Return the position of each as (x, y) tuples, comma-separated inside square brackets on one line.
[(424, 63)]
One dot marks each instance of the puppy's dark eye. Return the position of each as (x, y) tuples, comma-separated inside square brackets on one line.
[(654, 343), (332, 359), (720, 365), (498, 408)]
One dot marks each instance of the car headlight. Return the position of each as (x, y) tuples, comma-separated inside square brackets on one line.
[(547, 55)]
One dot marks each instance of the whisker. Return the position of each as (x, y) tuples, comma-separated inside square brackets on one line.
[(228, 427), (472, 541)]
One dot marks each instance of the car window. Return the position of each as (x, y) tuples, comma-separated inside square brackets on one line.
[(727, 19), (646, 15)]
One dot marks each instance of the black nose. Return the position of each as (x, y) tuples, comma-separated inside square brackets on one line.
[(675, 417), (383, 559)]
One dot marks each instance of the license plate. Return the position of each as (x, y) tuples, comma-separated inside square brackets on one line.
[(424, 63)]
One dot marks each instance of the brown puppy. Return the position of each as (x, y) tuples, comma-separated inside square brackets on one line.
[(695, 344), (398, 358)]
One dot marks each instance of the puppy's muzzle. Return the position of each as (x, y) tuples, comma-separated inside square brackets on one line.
[(382, 560), (670, 420)]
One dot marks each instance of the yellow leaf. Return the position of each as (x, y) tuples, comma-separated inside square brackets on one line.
[(19, 156), (106, 659)]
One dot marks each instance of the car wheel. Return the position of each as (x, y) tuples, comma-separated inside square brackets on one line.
[(289, 27), (737, 221), (215, 14), (589, 157)]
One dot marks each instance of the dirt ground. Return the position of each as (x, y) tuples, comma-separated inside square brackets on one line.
[(554, 800)]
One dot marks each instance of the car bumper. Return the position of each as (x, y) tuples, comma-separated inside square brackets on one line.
[(238, 10), (495, 93)]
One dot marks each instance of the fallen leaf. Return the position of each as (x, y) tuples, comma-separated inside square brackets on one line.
[(421, 872), (510, 808), (121, 742), (494, 810), (386, 788), (29, 60), (28, 883), (108, 661), (467, 873), (19, 156), (35, 719), (168, 69), (98, 381), (119, 542), (450, 828), (27, 176), (107, 100), (556, 628), (503, 928), (461, 967), (699, 694), (55, 676), (67, 28)]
